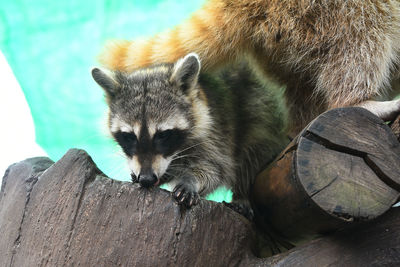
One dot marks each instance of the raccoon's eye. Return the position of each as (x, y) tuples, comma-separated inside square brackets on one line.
[(164, 135), (127, 141), (167, 142)]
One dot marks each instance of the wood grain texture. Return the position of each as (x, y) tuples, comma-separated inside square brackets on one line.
[(14, 198), (395, 126), (340, 170), (375, 243), (70, 214), (358, 132), (76, 216)]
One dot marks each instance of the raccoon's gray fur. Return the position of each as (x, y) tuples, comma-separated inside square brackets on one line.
[(193, 130)]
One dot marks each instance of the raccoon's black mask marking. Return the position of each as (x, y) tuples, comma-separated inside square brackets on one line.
[(169, 141), (164, 142), (127, 141)]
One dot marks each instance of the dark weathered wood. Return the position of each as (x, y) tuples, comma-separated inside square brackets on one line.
[(376, 243), (72, 215), (395, 126), (75, 216), (14, 197), (339, 170)]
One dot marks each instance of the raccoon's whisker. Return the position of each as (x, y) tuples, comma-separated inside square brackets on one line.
[(169, 174), (171, 166), (186, 156), (177, 165), (176, 169), (197, 144), (166, 174)]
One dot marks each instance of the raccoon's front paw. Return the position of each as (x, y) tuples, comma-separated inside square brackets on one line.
[(186, 194)]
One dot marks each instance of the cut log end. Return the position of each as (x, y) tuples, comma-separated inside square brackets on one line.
[(342, 169)]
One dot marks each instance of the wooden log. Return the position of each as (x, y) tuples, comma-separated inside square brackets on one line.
[(14, 196), (374, 243), (342, 168), (73, 215), (70, 214), (395, 126)]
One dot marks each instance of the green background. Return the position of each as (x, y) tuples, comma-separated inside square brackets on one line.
[(51, 47)]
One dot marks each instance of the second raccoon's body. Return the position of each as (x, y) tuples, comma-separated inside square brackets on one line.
[(329, 53), (194, 131)]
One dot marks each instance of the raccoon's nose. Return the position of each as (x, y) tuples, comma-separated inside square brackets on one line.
[(147, 179)]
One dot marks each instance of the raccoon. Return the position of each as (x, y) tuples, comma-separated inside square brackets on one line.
[(327, 53), (193, 130)]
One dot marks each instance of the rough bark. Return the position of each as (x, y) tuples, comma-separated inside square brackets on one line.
[(395, 125), (342, 168), (73, 215), (14, 197), (375, 243), (70, 214)]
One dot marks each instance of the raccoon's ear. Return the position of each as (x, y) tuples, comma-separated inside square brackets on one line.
[(186, 71), (106, 81)]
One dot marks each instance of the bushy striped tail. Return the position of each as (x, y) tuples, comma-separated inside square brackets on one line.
[(213, 33)]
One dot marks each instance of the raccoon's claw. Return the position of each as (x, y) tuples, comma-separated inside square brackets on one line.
[(185, 196)]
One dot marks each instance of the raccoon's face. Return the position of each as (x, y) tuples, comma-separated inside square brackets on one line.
[(151, 114)]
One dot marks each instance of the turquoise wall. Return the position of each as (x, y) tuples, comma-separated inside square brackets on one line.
[(51, 47)]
